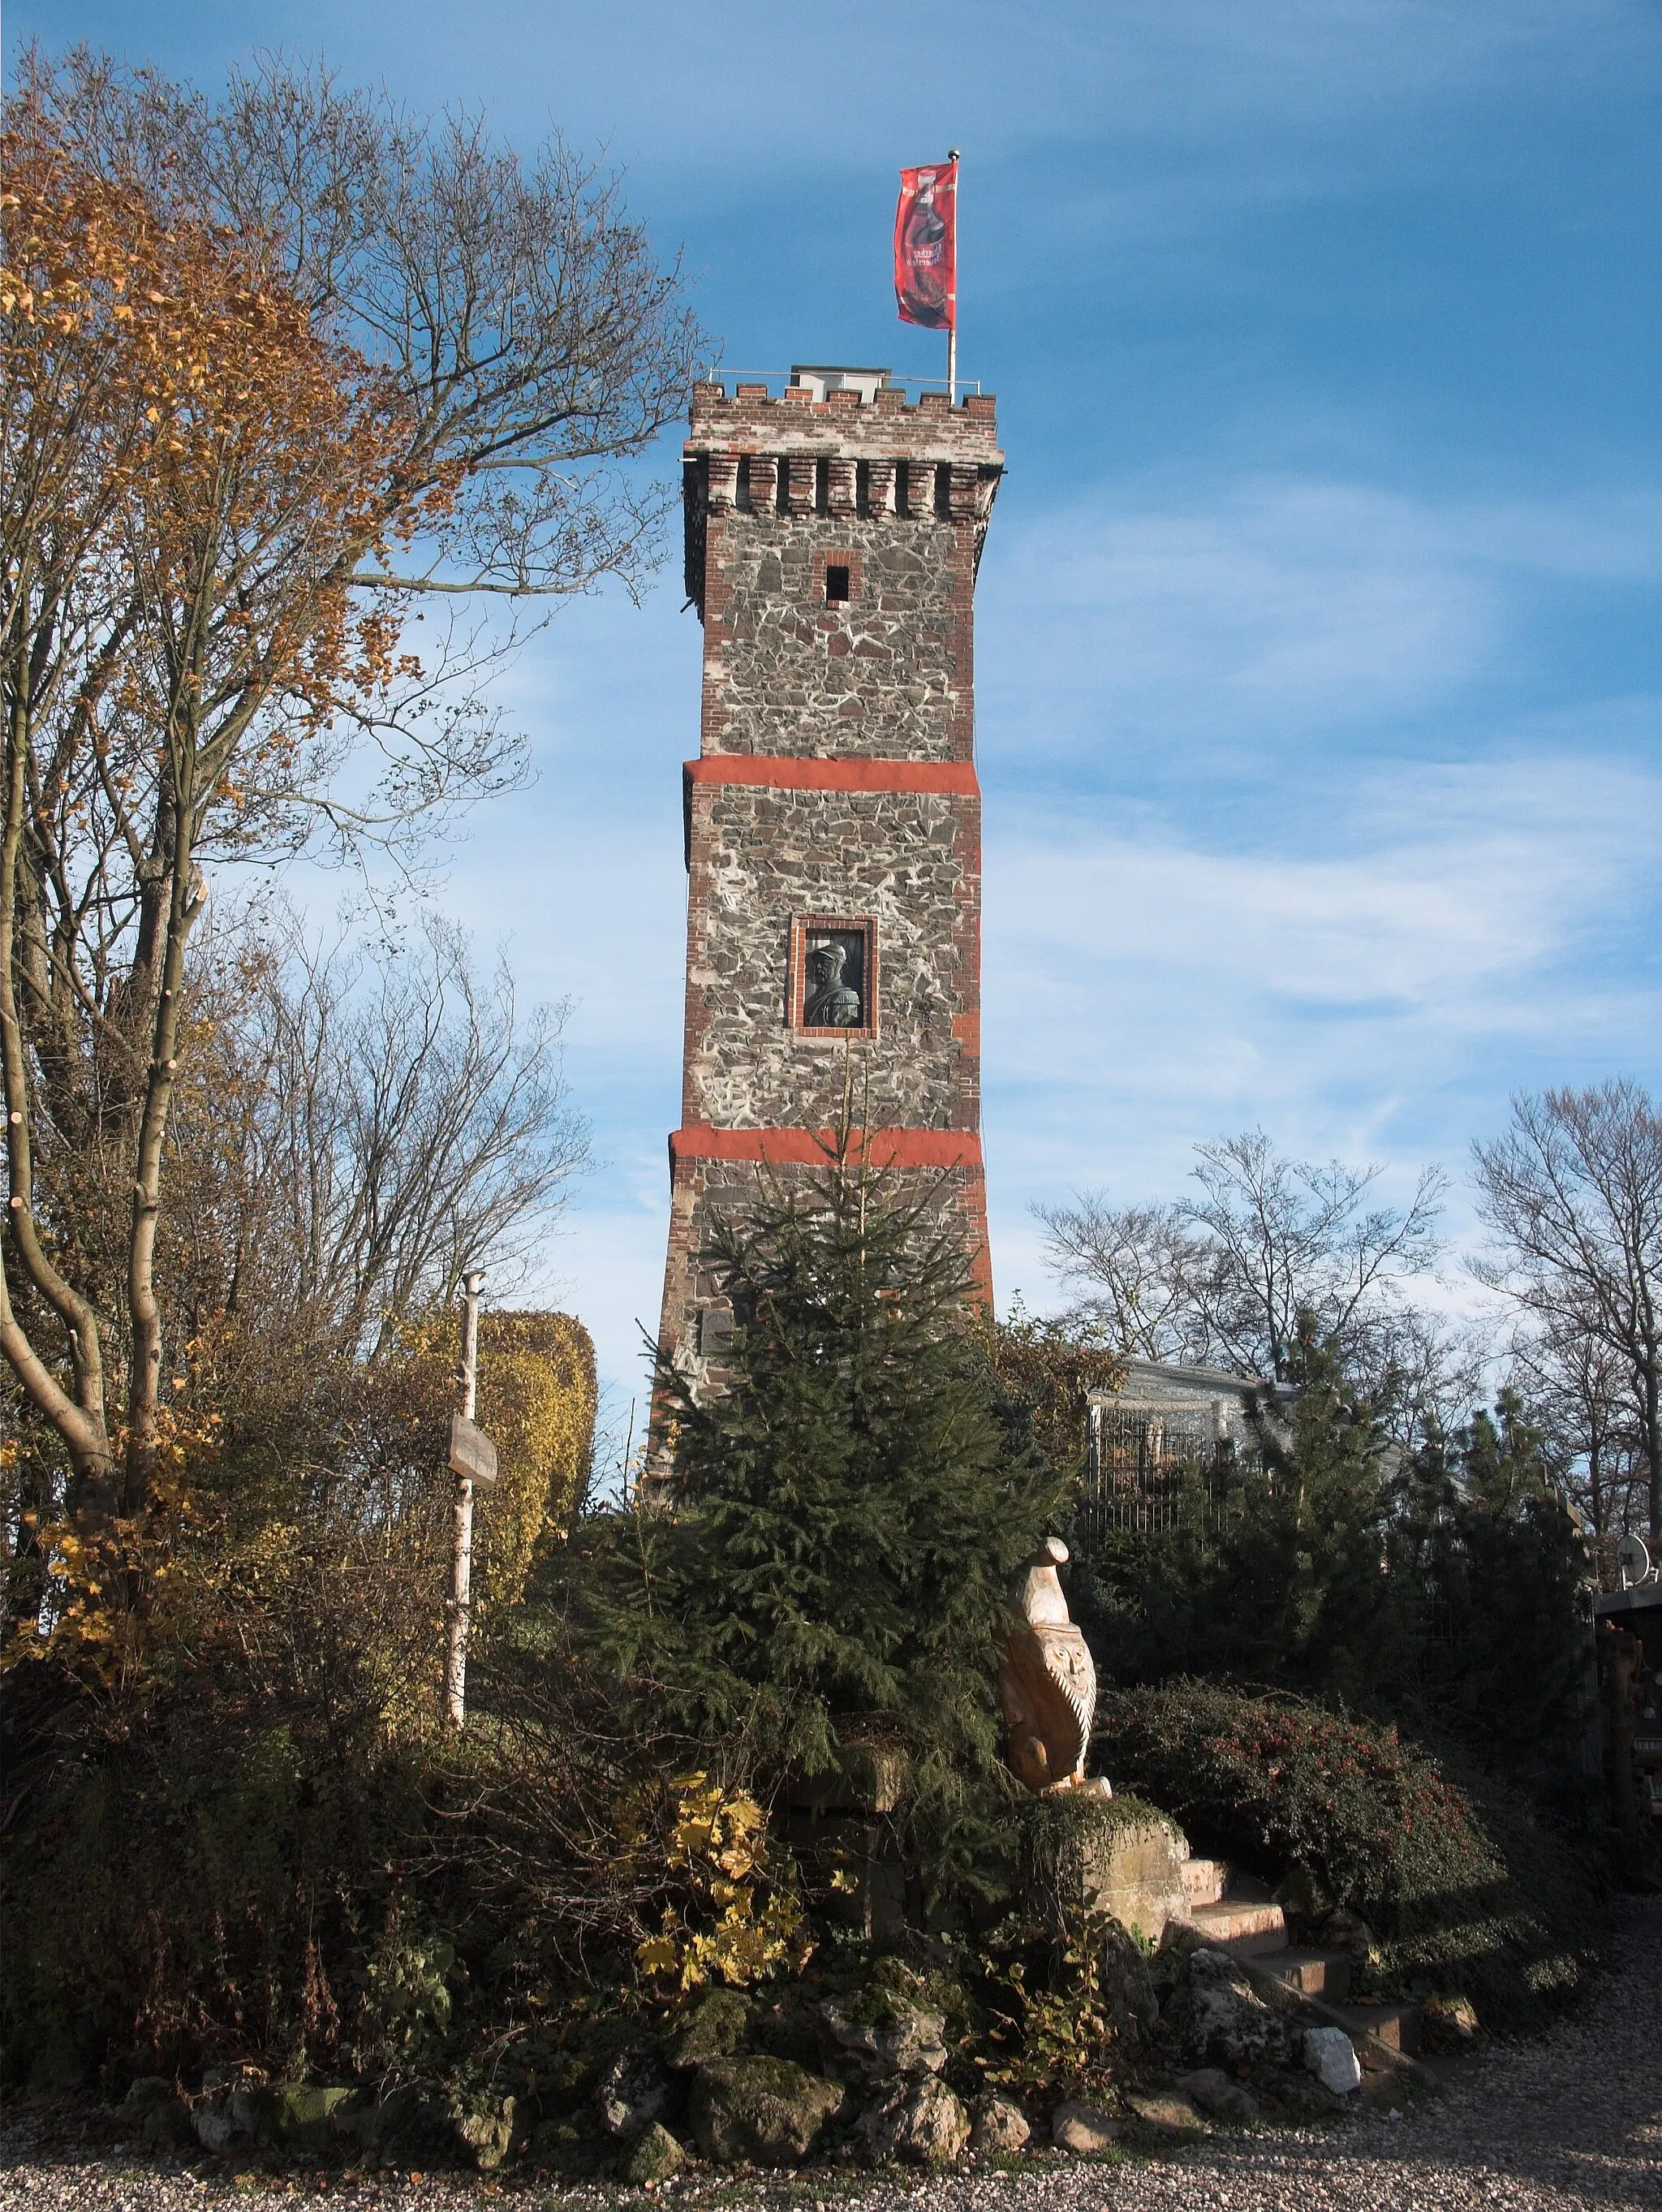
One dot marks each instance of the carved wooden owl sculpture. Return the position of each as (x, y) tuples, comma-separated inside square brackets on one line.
[(1047, 1684)]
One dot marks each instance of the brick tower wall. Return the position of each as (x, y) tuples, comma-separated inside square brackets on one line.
[(834, 791)]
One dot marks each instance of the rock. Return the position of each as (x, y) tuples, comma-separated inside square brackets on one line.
[(413, 2125), (1169, 2109), (1344, 1931), (484, 2127), (1124, 1862), (423, 2123), (1210, 2088), (1449, 2025), (919, 2122), (1077, 2127), (1000, 2128), (656, 2156), (167, 2126), (211, 2120), (292, 2115), (1331, 2055), (907, 2042), (1128, 1990), (634, 2091), (711, 2028), (764, 2110), (144, 2094), (1225, 2022)]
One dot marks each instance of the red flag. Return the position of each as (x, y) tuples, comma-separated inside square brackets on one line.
[(927, 246)]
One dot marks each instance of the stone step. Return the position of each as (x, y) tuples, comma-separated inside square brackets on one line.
[(1239, 1924), (1396, 2026), (1314, 1973), (1203, 1880)]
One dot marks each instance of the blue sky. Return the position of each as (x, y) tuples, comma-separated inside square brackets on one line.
[(1316, 647)]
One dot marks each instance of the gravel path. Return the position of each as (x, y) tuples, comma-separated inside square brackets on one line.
[(1574, 2120)]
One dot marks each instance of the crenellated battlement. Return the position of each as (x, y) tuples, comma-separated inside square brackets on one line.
[(844, 424), (852, 455)]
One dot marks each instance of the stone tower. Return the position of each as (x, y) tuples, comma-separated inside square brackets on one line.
[(832, 816)]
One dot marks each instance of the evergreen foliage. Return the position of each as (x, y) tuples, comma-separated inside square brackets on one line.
[(1272, 1570), (848, 1511), (1438, 1587), (1483, 1539)]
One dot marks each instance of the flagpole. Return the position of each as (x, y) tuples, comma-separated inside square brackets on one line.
[(952, 335)]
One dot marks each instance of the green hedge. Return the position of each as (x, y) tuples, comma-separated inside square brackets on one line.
[(1465, 1890)]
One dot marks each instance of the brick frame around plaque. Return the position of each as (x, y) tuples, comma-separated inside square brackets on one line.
[(802, 926)]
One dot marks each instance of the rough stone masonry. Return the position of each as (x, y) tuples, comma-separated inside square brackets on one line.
[(832, 816)]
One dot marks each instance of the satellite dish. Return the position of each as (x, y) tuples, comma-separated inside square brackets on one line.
[(1634, 1560)]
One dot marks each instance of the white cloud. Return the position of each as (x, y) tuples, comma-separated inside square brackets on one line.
[(1144, 993), (1275, 606)]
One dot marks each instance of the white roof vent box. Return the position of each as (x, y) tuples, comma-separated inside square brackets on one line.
[(821, 379)]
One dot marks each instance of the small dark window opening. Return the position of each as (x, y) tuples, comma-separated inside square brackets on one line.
[(822, 487), (742, 486), (836, 586), (862, 487)]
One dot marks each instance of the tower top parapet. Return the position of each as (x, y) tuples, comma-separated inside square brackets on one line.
[(863, 415)]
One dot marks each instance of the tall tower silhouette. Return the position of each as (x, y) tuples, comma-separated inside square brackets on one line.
[(833, 816)]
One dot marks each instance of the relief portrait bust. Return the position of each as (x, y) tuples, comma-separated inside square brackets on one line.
[(829, 1001)]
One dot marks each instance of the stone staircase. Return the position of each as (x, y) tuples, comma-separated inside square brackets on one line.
[(1237, 1913), (1142, 1872)]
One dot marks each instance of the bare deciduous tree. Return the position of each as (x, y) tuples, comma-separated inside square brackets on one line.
[(1571, 1195), (1224, 1277), (357, 1132)]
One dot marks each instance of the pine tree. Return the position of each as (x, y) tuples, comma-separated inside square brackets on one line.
[(848, 1511)]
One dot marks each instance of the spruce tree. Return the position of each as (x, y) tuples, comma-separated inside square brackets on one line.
[(1486, 1544), (848, 1509)]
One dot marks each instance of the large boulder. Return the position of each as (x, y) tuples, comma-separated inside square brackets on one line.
[(1000, 2128), (1210, 2088), (1127, 1985), (214, 2123), (1224, 2021), (294, 2115), (484, 2128), (1129, 1865), (1169, 2109), (765, 2112), (920, 2123), (712, 2028), (907, 2041), (656, 2156), (1450, 2025), (1084, 2128), (424, 2123)]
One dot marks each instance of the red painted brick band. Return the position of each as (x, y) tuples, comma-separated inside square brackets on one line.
[(890, 1148), (782, 772)]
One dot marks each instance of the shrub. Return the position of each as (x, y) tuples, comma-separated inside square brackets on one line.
[(1465, 1889)]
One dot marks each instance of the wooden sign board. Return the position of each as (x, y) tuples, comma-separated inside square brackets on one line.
[(471, 1451)]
